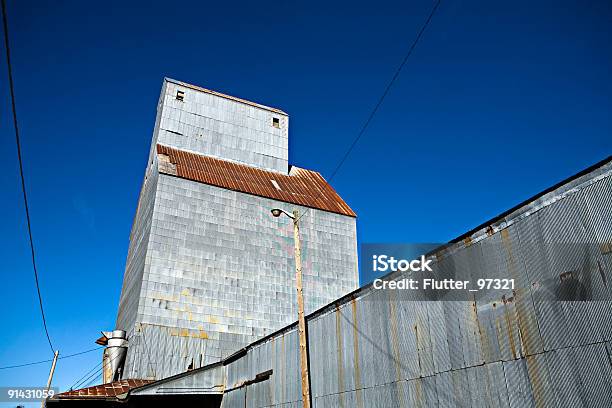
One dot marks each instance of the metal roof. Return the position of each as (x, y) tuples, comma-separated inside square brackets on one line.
[(103, 390), (302, 187), (222, 95)]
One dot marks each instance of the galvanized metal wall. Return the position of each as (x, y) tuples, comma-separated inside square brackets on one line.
[(214, 125), (139, 241), (220, 274), (210, 270), (513, 349)]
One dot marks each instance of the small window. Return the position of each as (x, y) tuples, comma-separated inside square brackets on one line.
[(180, 95), (275, 184), (276, 123)]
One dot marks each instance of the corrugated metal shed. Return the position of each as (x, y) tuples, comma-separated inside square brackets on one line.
[(302, 187)]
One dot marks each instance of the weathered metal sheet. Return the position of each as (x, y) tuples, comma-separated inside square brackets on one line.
[(517, 382), (302, 187), (517, 348), (103, 390)]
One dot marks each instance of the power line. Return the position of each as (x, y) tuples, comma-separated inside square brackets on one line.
[(87, 376), (382, 97), (96, 372), (23, 187), (49, 360), (93, 380)]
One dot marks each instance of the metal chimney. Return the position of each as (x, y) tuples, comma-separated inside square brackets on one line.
[(113, 358)]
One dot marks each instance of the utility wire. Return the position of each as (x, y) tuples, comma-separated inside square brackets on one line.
[(95, 370), (23, 187), (381, 99), (49, 360), (93, 380), (90, 374)]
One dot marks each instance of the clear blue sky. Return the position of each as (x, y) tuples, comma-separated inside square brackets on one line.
[(498, 102)]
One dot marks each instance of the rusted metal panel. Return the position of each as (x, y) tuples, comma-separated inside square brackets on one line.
[(104, 390), (302, 187)]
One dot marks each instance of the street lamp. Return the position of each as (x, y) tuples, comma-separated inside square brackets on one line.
[(276, 212)]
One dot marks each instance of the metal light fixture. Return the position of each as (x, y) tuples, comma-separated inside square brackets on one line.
[(277, 213)]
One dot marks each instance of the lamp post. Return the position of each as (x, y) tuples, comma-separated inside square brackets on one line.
[(300, 298)]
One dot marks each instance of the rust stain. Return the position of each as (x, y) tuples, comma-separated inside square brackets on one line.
[(211, 319), (467, 241), (499, 330), (522, 319), (196, 334), (533, 370), (509, 326), (487, 350), (358, 386), (340, 358), (480, 334)]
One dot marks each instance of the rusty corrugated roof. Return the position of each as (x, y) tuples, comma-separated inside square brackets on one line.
[(303, 187), (104, 390)]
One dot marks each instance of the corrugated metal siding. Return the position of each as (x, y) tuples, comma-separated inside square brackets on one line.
[(378, 349), (222, 95), (136, 264), (220, 274), (213, 124), (302, 187)]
